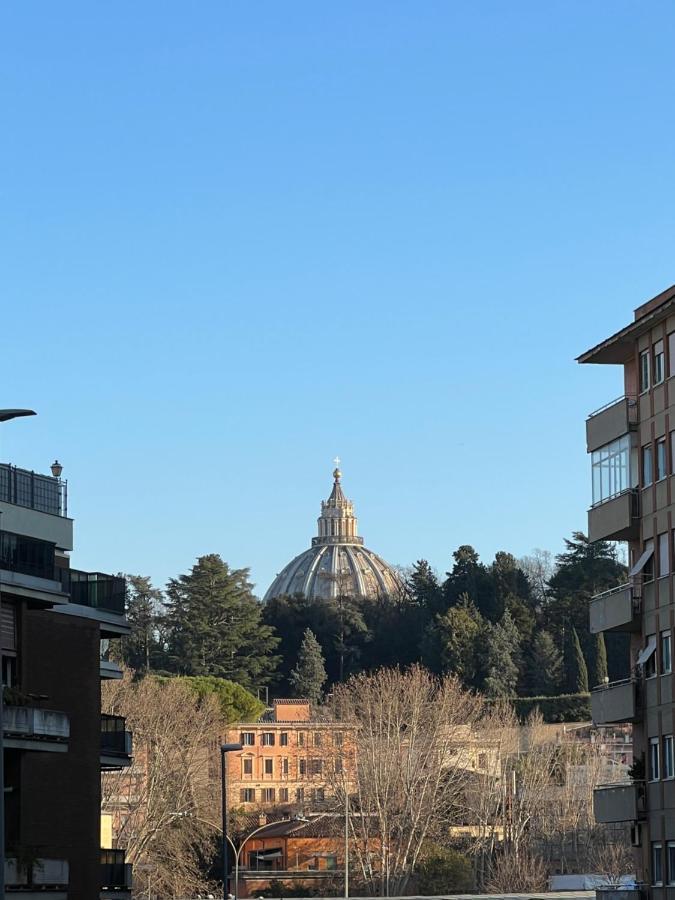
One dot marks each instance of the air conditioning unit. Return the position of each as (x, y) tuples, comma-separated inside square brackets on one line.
[(636, 834)]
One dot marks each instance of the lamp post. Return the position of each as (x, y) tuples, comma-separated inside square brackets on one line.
[(224, 750), (5, 416)]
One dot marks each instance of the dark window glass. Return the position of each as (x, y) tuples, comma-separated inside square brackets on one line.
[(647, 465)]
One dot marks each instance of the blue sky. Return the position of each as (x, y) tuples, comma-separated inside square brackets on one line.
[(238, 239)]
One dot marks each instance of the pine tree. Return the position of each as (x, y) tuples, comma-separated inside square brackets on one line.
[(214, 625), (451, 643), (309, 675), (425, 588), (143, 604), (599, 660), (502, 648), (576, 670), (544, 667)]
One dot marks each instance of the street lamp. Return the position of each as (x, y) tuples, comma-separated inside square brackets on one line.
[(224, 750), (5, 416)]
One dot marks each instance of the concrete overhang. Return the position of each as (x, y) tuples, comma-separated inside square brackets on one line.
[(620, 347)]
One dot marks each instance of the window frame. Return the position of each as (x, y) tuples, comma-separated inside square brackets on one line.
[(657, 845), (663, 543), (670, 862), (666, 640), (246, 762), (267, 739), (644, 372), (647, 472), (654, 773), (661, 458), (244, 738), (283, 739), (268, 765), (668, 758), (658, 362)]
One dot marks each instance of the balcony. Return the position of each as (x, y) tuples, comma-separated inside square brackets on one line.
[(43, 493), (29, 728), (95, 590), (616, 610), (623, 802), (43, 875), (115, 873), (116, 743), (615, 519), (611, 422), (616, 702)]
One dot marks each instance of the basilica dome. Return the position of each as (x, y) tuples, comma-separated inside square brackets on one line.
[(337, 563)]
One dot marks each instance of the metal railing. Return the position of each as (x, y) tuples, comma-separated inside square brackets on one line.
[(632, 407), (115, 871), (27, 555), (43, 493), (115, 739), (40, 873), (29, 721), (95, 589)]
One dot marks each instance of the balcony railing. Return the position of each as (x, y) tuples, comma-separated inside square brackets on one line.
[(42, 874), (30, 722), (94, 589), (617, 609), (615, 518), (27, 555), (116, 741), (620, 802), (616, 702), (115, 871), (629, 399), (43, 493)]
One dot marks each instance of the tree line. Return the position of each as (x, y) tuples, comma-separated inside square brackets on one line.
[(510, 627)]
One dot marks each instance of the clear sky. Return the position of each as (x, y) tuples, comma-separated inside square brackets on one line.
[(237, 239)]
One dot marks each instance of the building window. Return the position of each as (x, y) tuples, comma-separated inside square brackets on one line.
[(650, 656), (318, 795), (671, 353), (316, 767), (247, 738), (337, 738), (664, 561), (247, 795), (318, 739), (668, 763), (268, 795), (247, 765), (661, 459), (284, 766), (301, 739), (269, 766), (283, 795), (302, 766), (268, 739), (666, 653), (659, 367), (657, 864), (611, 469), (299, 795), (284, 739), (648, 567), (644, 370), (654, 760), (338, 766), (647, 465), (671, 862)]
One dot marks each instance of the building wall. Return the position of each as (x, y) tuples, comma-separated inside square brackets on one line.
[(60, 793)]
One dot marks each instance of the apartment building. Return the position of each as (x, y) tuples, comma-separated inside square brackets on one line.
[(631, 441), (55, 624), (288, 758)]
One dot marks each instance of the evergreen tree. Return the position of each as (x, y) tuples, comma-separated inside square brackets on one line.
[(214, 625), (141, 646), (425, 588), (576, 670), (471, 578), (501, 650), (309, 675), (599, 660), (544, 667), (451, 643)]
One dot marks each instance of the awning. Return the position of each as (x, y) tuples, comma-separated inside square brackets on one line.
[(647, 651), (642, 562)]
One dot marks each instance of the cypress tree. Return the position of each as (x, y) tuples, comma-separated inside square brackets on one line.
[(599, 660), (309, 675), (577, 670)]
